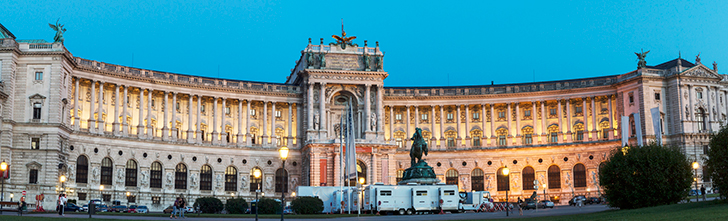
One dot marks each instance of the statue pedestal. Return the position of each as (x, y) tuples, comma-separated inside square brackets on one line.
[(420, 173)]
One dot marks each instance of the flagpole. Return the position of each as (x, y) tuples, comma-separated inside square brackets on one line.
[(341, 161), (349, 147)]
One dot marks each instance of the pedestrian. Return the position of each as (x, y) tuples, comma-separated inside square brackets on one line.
[(182, 207), (61, 206), (702, 191), (520, 209), (579, 202), (174, 209)]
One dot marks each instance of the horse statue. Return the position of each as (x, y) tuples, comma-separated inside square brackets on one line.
[(419, 146)]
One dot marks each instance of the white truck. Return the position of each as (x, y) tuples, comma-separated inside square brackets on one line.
[(410, 199), (477, 201)]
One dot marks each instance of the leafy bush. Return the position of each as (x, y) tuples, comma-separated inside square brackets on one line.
[(209, 204), (236, 206), (307, 205), (268, 206), (646, 176), (716, 163)]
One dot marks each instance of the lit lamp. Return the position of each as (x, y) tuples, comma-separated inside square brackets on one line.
[(127, 198), (256, 174), (63, 182), (293, 194), (3, 168), (101, 188), (361, 180), (506, 171), (695, 167), (544, 191), (284, 155)]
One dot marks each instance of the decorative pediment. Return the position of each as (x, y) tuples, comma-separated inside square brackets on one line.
[(701, 71), (34, 165), (37, 96)]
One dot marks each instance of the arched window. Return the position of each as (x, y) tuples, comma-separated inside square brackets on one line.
[(451, 177), (554, 177), (579, 175), (180, 177), (255, 183), (82, 169), (579, 129), (476, 135), (361, 170), (231, 178), (700, 118), (450, 136), (528, 177), (399, 139), (553, 133), (155, 175), (502, 133), (477, 180), (281, 180), (400, 174), (503, 184), (527, 135), (604, 125), (206, 177), (107, 171), (632, 127), (131, 173)]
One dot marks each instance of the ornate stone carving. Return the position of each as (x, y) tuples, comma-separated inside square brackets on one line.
[(145, 178), (268, 182), (193, 180)]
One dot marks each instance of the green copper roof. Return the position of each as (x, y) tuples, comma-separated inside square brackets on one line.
[(33, 41)]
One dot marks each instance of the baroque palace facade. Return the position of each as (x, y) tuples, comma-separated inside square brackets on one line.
[(114, 130)]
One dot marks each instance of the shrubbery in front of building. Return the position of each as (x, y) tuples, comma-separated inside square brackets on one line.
[(268, 206), (645, 176), (307, 205), (716, 162), (209, 204), (236, 206)]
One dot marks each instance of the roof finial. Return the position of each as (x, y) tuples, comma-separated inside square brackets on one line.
[(697, 58), (715, 66), (343, 40)]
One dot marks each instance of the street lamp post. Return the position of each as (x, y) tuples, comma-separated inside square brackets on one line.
[(3, 168), (695, 167), (284, 155), (256, 174), (101, 195), (127, 198), (63, 183), (362, 180), (544, 192), (506, 171)]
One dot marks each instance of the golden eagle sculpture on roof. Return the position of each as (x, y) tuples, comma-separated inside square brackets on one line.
[(343, 40)]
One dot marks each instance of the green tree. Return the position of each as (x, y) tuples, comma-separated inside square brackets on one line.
[(236, 206), (716, 162), (268, 206), (209, 204), (307, 205), (645, 176)]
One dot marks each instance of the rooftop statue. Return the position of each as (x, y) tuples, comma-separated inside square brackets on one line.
[(641, 57), (59, 31), (343, 40)]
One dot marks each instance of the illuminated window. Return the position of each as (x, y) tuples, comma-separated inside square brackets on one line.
[(451, 177)]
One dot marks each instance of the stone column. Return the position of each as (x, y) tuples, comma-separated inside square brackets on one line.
[(124, 113), (594, 119), (611, 117), (391, 123), (199, 120), (273, 138), (101, 126), (518, 123), (380, 115), (561, 125), (215, 134), (150, 126), (510, 129), (367, 110), (492, 124), (248, 136), (483, 138), (265, 124), (442, 128), (140, 125), (175, 130), (115, 126), (239, 139), (458, 138), (91, 123), (433, 140), (289, 141), (534, 117), (467, 124), (407, 128), (165, 128), (309, 106), (544, 127), (322, 112), (568, 120), (585, 112), (223, 132), (77, 106), (190, 132), (417, 116)]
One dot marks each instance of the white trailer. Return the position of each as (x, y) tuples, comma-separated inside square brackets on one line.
[(410, 199), (476, 201), (330, 195)]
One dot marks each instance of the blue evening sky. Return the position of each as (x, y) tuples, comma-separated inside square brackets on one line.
[(426, 43)]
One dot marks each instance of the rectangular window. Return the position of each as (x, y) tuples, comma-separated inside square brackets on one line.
[(33, 178), (156, 200), (38, 75), (705, 149), (501, 114), (449, 193), (398, 116), (554, 137), (131, 199), (81, 196), (450, 142), (657, 96), (35, 143), (450, 116), (700, 95), (252, 112), (153, 102), (278, 113), (106, 197), (528, 139), (552, 111), (36, 111), (476, 115), (502, 140), (527, 113), (399, 142), (424, 116), (177, 107), (421, 193), (580, 135), (385, 193), (202, 108), (577, 109), (631, 98), (476, 141), (227, 111)]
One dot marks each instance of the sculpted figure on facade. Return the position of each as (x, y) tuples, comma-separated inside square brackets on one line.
[(193, 179), (366, 61), (269, 182), (218, 181), (71, 172), (322, 58), (145, 178), (120, 176), (243, 182), (373, 122), (316, 121), (309, 59), (641, 57), (170, 179), (95, 172), (380, 62)]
